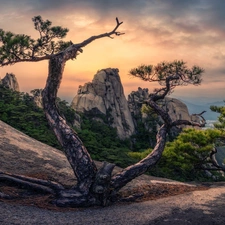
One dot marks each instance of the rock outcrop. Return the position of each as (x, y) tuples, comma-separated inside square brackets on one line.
[(36, 94), (10, 81), (24, 155), (176, 108), (104, 96)]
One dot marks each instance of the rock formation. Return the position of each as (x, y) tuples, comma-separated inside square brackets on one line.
[(26, 156), (10, 81), (36, 94), (104, 96), (103, 99), (176, 108)]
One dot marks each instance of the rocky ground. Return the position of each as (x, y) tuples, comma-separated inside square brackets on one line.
[(164, 201), (195, 207)]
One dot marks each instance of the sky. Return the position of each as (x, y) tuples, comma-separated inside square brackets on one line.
[(155, 31)]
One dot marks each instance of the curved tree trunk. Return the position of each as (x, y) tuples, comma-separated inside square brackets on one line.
[(93, 188), (120, 179), (76, 153)]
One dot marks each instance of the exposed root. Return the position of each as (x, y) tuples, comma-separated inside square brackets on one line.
[(39, 185)]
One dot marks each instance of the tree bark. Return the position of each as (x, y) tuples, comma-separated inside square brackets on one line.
[(83, 166), (120, 179)]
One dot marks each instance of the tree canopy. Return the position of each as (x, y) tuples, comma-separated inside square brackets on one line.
[(16, 48), (20, 47), (168, 74), (220, 124)]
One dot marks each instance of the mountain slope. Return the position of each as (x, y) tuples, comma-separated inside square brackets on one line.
[(24, 155)]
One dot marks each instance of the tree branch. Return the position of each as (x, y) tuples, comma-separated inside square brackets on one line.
[(160, 111), (166, 90), (32, 59), (126, 175), (213, 159), (31, 184), (70, 52), (186, 122)]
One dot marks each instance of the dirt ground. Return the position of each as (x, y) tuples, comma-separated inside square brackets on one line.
[(131, 194), (188, 205)]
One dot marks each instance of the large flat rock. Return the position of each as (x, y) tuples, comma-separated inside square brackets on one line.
[(21, 154)]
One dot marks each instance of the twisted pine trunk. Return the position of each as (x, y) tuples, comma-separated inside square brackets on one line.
[(76, 153), (93, 188), (120, 179)]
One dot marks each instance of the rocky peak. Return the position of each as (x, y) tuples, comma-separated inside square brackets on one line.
[(104, 96), (135, 99), (10, 81), (176, 109)]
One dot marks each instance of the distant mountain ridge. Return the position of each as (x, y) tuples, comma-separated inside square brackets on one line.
[(198, 108)]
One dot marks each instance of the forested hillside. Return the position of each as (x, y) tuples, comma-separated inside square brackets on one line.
[(179, 160)]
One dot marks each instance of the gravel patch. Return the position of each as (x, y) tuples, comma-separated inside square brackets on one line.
[(198, 207)]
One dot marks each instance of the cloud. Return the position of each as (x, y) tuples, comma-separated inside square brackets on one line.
[(156, 30)]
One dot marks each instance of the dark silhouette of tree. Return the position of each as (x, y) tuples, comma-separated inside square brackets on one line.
[(94, 187)]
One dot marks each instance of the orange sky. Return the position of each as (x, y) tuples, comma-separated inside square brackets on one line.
[(155, 31)]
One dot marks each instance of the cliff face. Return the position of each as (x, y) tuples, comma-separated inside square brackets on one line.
[(105, 96), (103, 99), (10, 81), (176, 108)]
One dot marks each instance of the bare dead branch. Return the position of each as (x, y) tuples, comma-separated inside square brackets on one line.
[(71, 51)]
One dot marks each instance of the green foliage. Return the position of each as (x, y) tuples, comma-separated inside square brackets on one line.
[(46, 44), (221, 119), (103, 143), (146, 128), (181, 159), (175, 73), (20, 47), (184, 157), (66, 111), (143, 137), (140, 155), (18, 110)]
